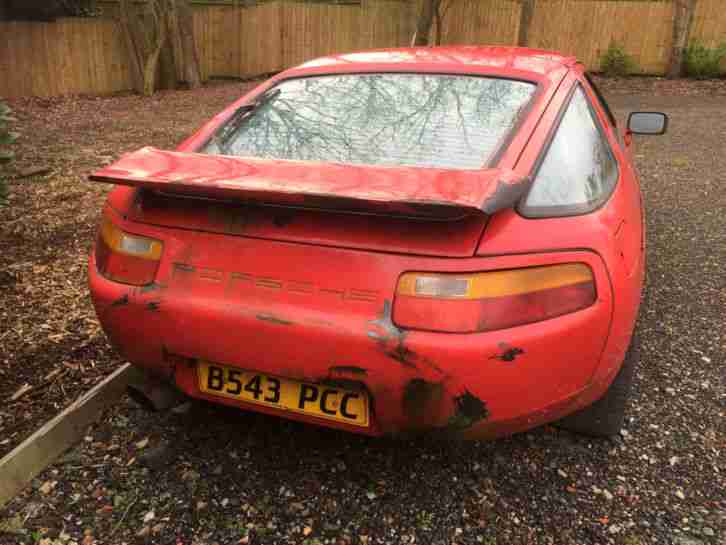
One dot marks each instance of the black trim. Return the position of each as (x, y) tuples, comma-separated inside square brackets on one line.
[(601, 99)]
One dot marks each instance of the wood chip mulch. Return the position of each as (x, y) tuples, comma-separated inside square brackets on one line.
[(51, 346)]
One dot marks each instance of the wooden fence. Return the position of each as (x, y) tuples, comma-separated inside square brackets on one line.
[(644, 29), (244, 42), (66, 57), (88, 55)]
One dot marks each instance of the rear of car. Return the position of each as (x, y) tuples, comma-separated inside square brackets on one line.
[(374, 246)]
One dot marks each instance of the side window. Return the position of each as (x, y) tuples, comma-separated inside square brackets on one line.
[(578, 172)]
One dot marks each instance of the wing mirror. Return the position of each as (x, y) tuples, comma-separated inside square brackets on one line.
[(648, 123)]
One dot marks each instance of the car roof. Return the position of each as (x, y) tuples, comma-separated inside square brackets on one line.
[(538, 63)]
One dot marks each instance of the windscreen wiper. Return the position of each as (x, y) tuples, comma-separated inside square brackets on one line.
[(237, 118)]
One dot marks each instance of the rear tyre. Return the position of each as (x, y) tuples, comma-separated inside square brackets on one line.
[(605, 417)]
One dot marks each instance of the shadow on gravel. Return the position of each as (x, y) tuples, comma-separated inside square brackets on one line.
[(373, 483)]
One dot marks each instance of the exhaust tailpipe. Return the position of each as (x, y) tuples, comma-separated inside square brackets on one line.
[(155, 395)]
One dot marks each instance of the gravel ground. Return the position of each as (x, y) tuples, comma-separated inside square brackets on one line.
[(213, 475)]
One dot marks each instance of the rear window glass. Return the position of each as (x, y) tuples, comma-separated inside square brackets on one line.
[(421, 120)]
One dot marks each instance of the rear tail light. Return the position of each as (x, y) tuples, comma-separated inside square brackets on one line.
[(467, 303), (126, 258)]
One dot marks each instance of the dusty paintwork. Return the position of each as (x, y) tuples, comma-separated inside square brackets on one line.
[(264, 280), (407, 191), (506, 194), (391, 339), (420, 235), (472, 59)]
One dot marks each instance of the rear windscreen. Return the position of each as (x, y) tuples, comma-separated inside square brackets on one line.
[(421, 120)]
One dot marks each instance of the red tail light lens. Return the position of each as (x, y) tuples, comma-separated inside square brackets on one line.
[(468, 303), (126, 258)]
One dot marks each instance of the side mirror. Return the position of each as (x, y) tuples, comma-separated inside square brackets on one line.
[(648, 123)]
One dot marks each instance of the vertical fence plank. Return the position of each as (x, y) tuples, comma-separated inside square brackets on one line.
[(709, 23), (20, 64), (37, 59), (201, 39)]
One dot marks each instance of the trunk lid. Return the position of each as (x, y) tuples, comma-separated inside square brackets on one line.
[(393, 209)]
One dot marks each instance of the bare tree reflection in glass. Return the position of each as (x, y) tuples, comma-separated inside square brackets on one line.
[(425, 120)]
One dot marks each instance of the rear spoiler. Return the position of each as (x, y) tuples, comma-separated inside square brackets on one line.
[(409, 191)]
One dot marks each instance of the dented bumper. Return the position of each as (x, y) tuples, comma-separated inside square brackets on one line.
[(330, 322)]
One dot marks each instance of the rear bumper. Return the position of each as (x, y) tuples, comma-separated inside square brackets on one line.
[(473, 385)]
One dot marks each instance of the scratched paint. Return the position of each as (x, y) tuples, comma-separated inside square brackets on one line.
[(390, 338), (273, 319), (506, 194), (121, 301)]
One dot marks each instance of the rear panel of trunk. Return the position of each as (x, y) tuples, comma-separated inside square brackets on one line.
[(456, 237)]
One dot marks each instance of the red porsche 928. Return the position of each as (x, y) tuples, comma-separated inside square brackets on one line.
[(444, 241)]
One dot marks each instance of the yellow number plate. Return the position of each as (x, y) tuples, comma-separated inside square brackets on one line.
[(339, 404)]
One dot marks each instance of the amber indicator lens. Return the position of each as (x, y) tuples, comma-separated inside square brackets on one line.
[(126, 258)]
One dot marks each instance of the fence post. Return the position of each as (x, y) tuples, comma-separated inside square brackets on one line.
[(682, 22), (525, 20)]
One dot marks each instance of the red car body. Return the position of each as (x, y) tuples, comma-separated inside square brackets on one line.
[(312, 296)]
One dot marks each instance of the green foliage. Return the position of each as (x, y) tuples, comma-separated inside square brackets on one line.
[(615, 62), (6, 138), (702, 62)]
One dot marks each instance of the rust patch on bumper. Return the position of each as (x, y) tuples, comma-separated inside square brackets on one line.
[(347, 370), (469, 410), (421, 399), (426, 405), (509, 353)]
